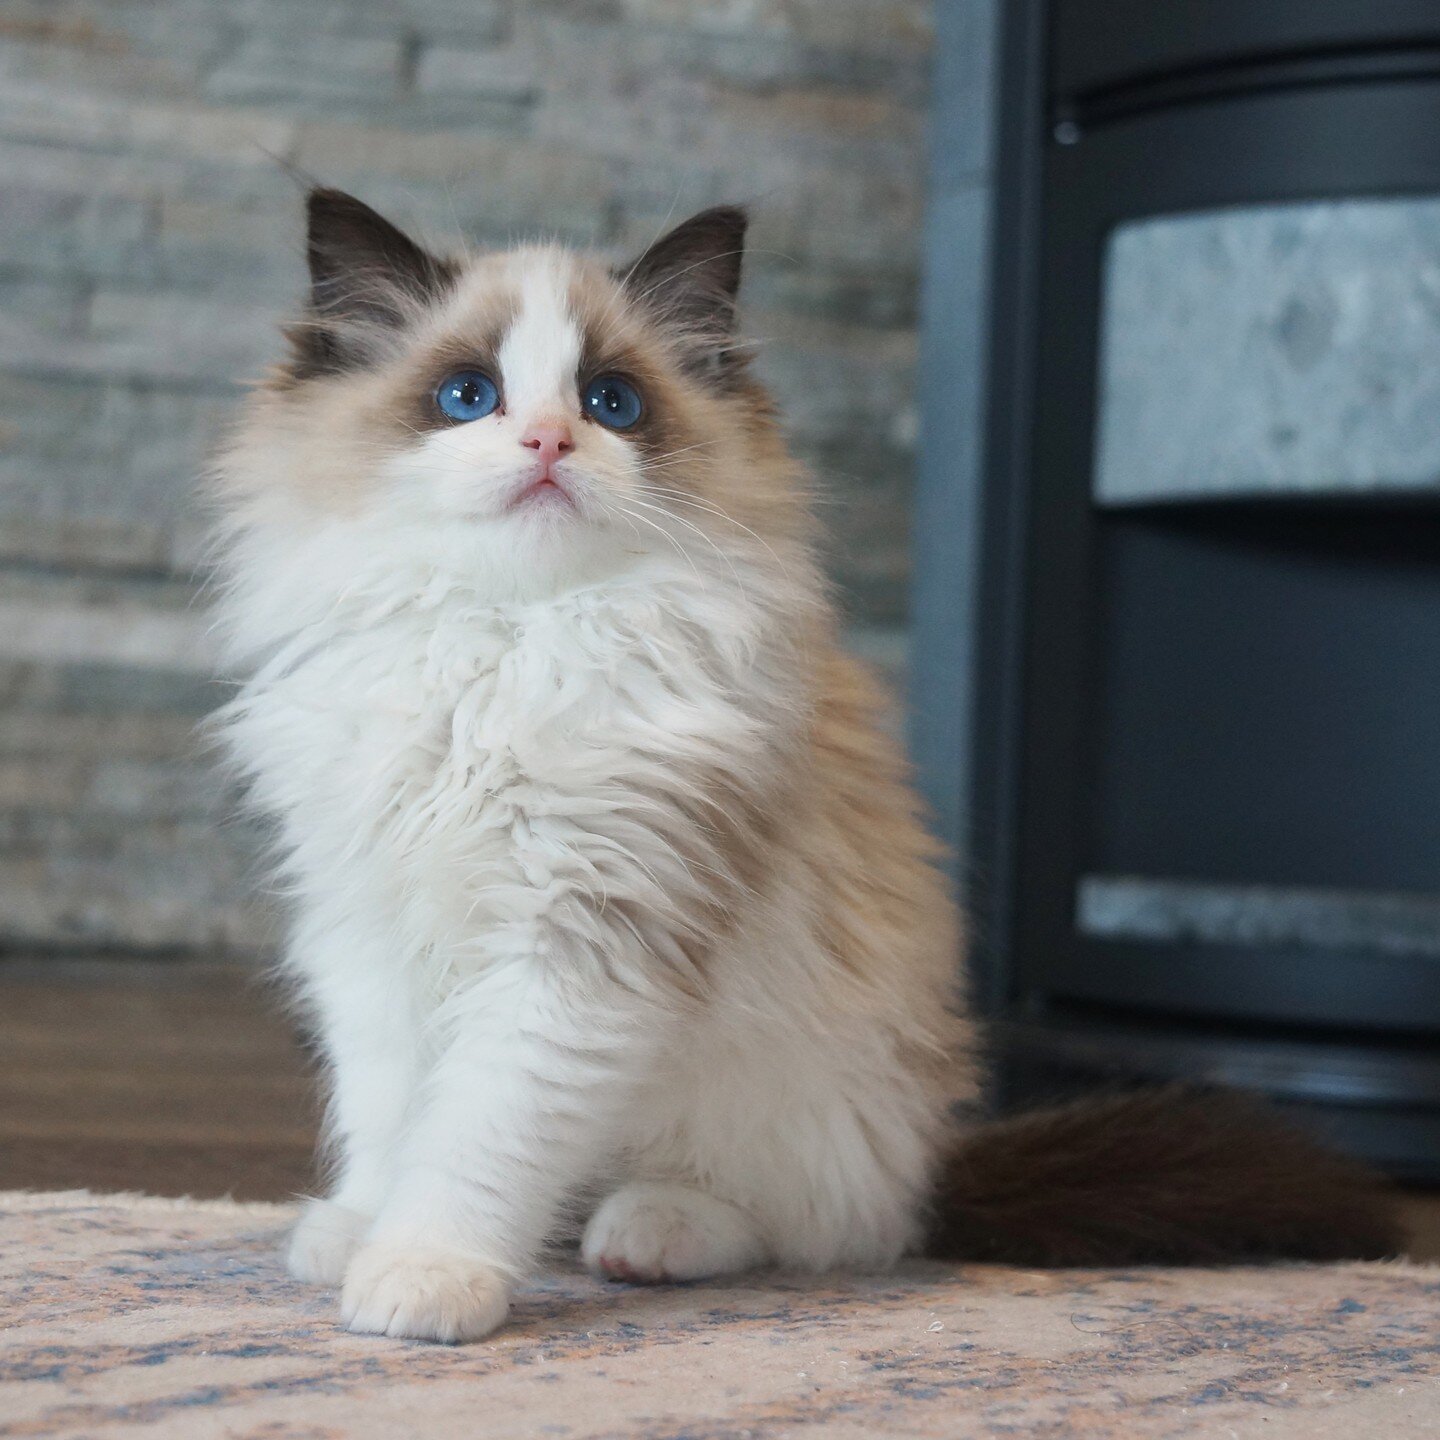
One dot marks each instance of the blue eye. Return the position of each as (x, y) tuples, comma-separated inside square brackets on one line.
[(467, 395), (613, 402)]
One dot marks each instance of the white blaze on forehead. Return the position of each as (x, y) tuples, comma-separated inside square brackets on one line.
[(540, 354)]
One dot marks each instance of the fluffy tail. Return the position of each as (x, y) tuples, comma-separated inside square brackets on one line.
[(1168, 1176)]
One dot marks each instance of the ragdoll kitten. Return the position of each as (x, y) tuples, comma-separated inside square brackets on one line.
[(610, 890)]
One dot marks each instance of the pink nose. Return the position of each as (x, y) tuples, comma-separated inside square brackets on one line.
[(550, 439)]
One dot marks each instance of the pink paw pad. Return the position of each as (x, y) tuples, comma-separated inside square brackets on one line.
[(616, 1267)]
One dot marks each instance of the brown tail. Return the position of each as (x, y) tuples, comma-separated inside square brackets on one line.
[(1164, 1176)]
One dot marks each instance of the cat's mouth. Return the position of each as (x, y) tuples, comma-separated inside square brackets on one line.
[(546, 489)]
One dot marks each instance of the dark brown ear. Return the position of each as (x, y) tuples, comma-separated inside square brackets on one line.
[(365, 275), (691, 276)]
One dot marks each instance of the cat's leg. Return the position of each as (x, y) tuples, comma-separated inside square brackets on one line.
[(369, 1032), (652, 1232), (804, 1151), (805, 1211), (517, 1111)]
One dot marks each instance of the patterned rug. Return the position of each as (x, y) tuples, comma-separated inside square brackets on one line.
[(123, 1316)]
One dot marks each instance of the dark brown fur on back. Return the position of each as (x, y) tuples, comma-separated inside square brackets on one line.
[(1162, 1176)]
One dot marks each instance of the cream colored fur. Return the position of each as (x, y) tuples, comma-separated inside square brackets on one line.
[(608, 889)]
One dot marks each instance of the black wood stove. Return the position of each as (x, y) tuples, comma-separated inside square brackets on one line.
[(1204, 831)]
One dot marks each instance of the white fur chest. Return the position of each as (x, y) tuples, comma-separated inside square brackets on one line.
[(495, 775)]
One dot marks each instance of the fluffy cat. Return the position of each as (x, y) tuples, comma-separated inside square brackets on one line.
[(611, 897)]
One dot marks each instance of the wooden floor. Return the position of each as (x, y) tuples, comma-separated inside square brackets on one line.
[(187, 1080), (177, 1080)]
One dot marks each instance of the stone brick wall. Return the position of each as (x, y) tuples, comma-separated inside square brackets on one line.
[(149, 238)]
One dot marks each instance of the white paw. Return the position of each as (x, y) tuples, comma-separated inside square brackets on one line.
[(407, 1291), (323, 1240), (649, 1234)]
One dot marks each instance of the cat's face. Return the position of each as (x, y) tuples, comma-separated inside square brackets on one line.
[(532, 413)]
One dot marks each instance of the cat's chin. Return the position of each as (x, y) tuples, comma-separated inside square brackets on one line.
[(542, 550)]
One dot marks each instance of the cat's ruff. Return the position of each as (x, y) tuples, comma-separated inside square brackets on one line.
[(607, 879)]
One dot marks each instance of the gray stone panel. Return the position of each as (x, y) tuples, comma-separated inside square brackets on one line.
[(1278, 349), (1180, 912)]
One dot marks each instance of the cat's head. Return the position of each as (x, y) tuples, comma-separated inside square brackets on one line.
[(533, 413)]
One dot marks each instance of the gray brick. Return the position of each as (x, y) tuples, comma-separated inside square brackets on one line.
[(830, 217), (158, 142), (127, 622), (855, 294), (487, 188), (171, 338), (92, 463), (67, 232), (176, 887), (866, 485), (88, 60), (765, 64), (108, 787), (177, 337), (838, 23), (62, 301), (230, 250), (837, 380), (490, 72), (101, 689), (116, 41), (304, 69), (46, 735), (70, 541), (475, 20)]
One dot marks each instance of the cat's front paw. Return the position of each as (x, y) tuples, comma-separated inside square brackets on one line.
[(323, 1240), (650, 1233), (422, 1294)]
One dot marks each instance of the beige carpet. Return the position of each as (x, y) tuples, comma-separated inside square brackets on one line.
[(129, 1316)]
